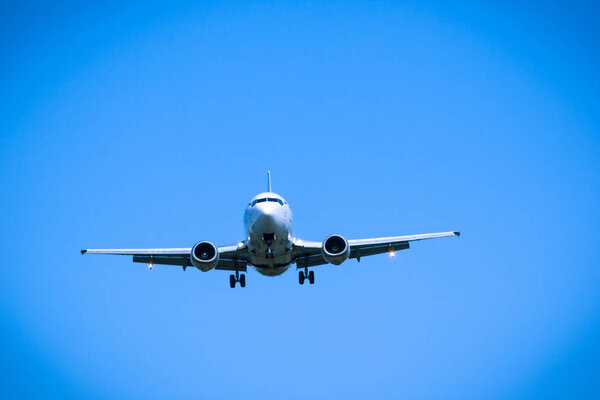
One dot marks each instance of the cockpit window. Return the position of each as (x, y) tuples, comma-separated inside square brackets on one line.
[(267, 199)]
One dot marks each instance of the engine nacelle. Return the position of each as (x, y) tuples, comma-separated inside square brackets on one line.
[(335, 249), (205, 256)]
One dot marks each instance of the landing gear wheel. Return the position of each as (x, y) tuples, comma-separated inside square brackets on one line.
[(301, 277), (232, 281), (311, 277), (243, 280)]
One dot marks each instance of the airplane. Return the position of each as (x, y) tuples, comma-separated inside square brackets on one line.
[(270, 246)]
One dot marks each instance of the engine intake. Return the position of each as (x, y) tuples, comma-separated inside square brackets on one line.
[(205, 256), (335, 249)]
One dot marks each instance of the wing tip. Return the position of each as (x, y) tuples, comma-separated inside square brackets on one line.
[(83, 252), (457, 233)]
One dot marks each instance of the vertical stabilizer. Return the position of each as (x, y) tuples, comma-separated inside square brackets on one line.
[(269, 179)]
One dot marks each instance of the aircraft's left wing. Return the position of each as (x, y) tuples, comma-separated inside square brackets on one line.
[(308, 253), (231, 258)]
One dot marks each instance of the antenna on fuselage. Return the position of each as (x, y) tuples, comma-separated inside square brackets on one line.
[(269, 179)]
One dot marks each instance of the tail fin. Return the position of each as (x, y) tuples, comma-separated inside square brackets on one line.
[(269, 179)]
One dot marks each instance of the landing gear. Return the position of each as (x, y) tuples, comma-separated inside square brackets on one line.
[(306, 274), (233, 279), (269, 238)]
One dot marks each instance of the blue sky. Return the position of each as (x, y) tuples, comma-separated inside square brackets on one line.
[(152, 125)]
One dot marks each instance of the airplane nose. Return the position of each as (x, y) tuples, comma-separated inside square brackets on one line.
[(266, 221)]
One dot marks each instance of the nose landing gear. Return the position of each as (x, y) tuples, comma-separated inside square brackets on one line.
[(233, 279), (306, 274), (269, 238)]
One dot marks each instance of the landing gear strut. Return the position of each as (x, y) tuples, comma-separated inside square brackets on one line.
[(233, 279), (269, 238), (306, 274)]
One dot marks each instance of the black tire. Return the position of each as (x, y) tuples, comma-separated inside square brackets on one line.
[(301, 277), (311, 277), (232, 281), (243, 280)]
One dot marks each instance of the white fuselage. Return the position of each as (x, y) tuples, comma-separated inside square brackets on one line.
[(268, 225)]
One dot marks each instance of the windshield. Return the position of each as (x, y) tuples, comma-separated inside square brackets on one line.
[(272, 199)]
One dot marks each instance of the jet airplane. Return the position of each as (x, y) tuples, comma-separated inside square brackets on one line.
[(270, 246)]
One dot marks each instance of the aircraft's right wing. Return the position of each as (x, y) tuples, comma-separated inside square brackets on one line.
[(308, 253), (231, 258)]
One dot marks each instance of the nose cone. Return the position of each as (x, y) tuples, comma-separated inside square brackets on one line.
[(267, 219)]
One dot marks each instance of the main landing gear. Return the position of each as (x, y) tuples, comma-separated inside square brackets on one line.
[(237, 278), (306, 274)]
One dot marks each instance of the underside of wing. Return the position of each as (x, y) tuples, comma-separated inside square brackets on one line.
[(398, 239), (368, 247), (231, 257), (309, 253), (134, 252)]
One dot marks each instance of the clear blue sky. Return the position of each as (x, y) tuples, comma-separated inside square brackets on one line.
[(152, 125)]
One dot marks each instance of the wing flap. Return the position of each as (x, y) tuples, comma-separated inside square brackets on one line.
[(232, 265), (224, 265), (358, 252), (164, 260), (310, 261)]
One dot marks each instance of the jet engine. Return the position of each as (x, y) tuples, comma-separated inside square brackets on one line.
[(335, 249), (205, 256)]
